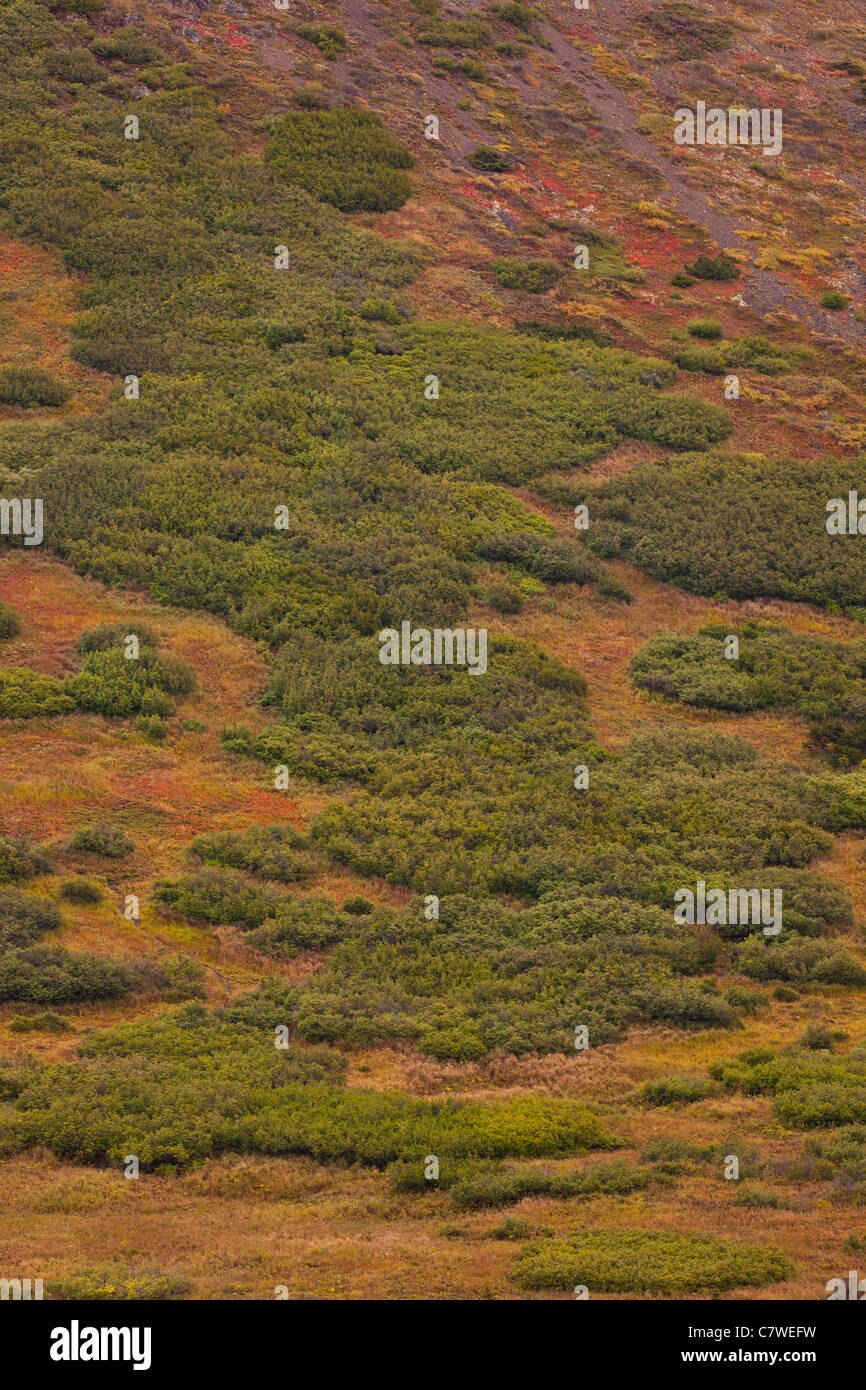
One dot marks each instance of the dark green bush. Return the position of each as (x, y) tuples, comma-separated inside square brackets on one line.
[(40, 1023), (81, 890), (18, 860), (343, 156), (264, 850), (714, 268), (31, 387), (219, 896), (520, 273), (705, 328), (53, 975), (128, 45), (10, 622), (662, 1262), (73, 65), (23, 918), (489, 160), (109, 841), (328, 38), (674, 1090)]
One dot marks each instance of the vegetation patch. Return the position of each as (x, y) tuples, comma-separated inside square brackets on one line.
[(343, 156), (638, 1261)]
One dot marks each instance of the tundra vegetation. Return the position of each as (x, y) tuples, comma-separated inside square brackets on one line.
[(291, 446)]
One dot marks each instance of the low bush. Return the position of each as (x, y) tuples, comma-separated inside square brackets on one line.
[(26, 695), (24, 918), (31, 387), (105, 839), (10, 622), (266, 851), (81, 890), (328, 38), (343, 156), (674, 1090), (533, 275), (635, 1261), (19, 860), (714, 268), (489, 160), (40, 1023)]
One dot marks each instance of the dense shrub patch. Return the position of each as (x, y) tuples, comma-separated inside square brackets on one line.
[(824, 680), (24, 918), (195, 1083), (265, 851), (31, 386), (721, 543), (648, 1262), (344, 157), (813, 1089), (110, 841)]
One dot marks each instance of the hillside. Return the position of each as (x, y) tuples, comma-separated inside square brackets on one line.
[(335, 320)]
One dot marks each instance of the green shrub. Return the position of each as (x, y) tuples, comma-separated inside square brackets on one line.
[(488, 159), (533, 275), (305, 924), (714, 268), (674, 1090), (343, 156), (635, 1261), (455, 33), (819, 1037), (504, 598), (719, 544), (10, 622), (81, 890), (500, 1187), (823, 680), (328, 38), (40, 1023), (108, 840), (30, 387), (194, 1083), (219, 896), (264, 850), (153, 726), (112, 683), (53, 975), (759, 1198), (832, 299), (76, 65), (705, 328), (695, 359), (26, 695), (521, 16), (24, 918), (681, 280), (18, 860), (118, 1284), (128, 45), (358, 906)]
